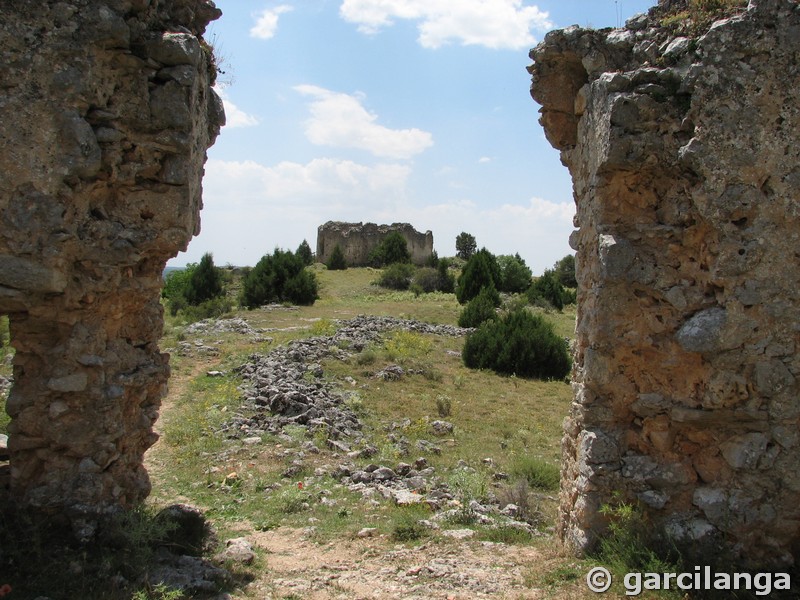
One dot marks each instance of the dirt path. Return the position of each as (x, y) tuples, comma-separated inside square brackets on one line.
[(376, 568)]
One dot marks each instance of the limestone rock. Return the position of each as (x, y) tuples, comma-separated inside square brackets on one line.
[(100, 184), (684, 162), (237, 550)]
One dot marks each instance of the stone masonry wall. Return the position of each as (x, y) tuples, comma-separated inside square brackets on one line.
[(685, 157), (106, 113), (357, 240)]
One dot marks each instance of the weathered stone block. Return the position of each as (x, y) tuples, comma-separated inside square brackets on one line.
[(686, 182), (85, 232), (29, 275), (175, 49)]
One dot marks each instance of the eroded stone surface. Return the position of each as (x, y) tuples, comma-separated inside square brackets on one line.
[(684, 155), (107, 112)]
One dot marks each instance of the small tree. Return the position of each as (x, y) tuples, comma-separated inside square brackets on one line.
[(393, 249), (481, 308), (522, 344), (336, 262), (480, 271), (304, 253), (447, 281), (515, 275), (426, 280), (546, 289), (280, 277), (204, 283), (465, 245), (565, 271), (397, 276), (176, 282)]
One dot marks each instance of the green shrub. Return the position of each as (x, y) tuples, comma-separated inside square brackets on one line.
[(406, 525), (465, 245), (564, 271), (538, 473), (467, 485), (289, 501), (204, 282), (447, 281), (397, 276), (546, 290), (515, 276), (336, 262), (304, 253), (480, 271), (633, 544), (506, 534), (197, 289), (427, 279), (176, 281), (481, 308), (158, 592), (279, 277), (209, 309), (521, 344), (403, 346), (433, 260), (393, 249), (444, 405)]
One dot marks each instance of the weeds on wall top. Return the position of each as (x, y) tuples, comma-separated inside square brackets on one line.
[(696, 17)]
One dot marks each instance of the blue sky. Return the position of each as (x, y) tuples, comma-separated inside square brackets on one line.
[(387, 110)]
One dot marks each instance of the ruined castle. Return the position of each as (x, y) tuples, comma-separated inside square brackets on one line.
[(358, 240)]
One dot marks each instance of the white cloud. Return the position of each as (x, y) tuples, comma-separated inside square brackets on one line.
[(484, 159), (322, 180), (341, 120), (497, 24), (235, 116), (252, 208), (267, 22)]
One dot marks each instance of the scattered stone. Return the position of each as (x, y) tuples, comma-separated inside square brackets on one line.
[(340, 446), (426, 446), (442, 427), (189, 574), (367, 532), (510, 510), (459, 534), (230, 325), (237, 550), (390, 373), (407, 498), (383, 474)]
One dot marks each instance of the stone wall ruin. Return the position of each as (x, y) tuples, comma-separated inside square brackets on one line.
[(106, 115), (685, 156), (357, 240)]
